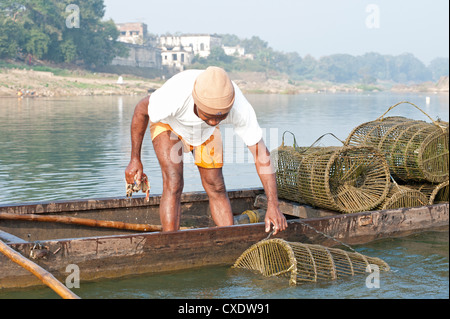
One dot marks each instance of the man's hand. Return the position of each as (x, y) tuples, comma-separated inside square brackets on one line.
[(267, 175), (134, 172), (276, 218)]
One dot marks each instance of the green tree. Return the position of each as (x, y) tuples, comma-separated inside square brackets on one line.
[(37, 43), (307, 68), (338, 68), (407, 68), (48, 36), (291, 63), (254, 45), (229, 40), (373, 66), (439, 67), (342, 68), (218, 55), (11, 38)]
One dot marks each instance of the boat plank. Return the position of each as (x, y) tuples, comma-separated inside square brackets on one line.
[(294, 209), (10, 238), (123, 203), (194, 206)]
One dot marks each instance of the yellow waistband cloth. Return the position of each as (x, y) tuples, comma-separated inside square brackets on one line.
[(207, 155)]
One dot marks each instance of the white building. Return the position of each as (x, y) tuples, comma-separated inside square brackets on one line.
[(178, 51), (234, 51), (238, 52), (176, 58), (200, 44), (132, 33)]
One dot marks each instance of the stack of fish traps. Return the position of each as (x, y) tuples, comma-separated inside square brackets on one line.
[(416, 152), (400, 196), (352, 178), (346, 179), (357, 176), (303, 263), (435, 193)]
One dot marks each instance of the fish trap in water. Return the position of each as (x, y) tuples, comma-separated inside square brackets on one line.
[(304, 262)]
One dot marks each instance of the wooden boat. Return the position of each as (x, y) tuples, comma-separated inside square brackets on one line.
[(111, 253)]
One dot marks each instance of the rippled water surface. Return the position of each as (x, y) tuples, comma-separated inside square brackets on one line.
[(79, 147), (419, 270)]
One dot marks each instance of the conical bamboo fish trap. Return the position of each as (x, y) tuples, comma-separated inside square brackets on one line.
[(287, 162), (347, 179), (400, 196), (414, 150), (436, 193), (304, 262)]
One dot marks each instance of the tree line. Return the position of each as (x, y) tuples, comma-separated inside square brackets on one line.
[(61, 31), (73, 31), (342, 68)]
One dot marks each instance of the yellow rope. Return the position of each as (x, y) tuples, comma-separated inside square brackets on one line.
[(253, 216)]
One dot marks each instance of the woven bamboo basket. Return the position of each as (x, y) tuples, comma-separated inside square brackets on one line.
[(287, 161), (304, 262), (436, 193), (400, 196), (346, 179), (415, 150)]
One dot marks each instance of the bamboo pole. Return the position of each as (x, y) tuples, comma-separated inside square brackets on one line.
[(83, 221), (43, 275)]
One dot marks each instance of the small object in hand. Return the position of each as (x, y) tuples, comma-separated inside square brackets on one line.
[(144, 186)]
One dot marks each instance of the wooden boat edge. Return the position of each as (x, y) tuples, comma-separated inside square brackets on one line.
[(59, 206), (115, 256)]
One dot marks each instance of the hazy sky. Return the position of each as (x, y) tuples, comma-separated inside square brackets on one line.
[(316, 27)]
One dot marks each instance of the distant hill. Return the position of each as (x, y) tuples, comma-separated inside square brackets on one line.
[(337, 68)]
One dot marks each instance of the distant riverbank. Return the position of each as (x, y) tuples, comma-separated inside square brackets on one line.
[(48, 82), (15, 82), (254, 82)]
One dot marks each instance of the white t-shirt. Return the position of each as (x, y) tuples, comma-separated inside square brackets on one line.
[(173, 104)]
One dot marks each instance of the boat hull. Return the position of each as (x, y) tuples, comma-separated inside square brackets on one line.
[(119, 255)]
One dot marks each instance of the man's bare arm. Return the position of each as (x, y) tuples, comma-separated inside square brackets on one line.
[(267, 175), (139, 125)]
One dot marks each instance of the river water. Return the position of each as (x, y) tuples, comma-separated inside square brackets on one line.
[(78, 148)]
